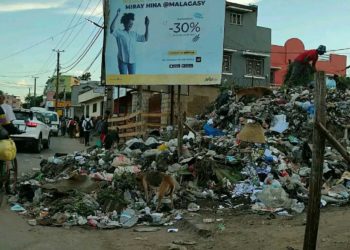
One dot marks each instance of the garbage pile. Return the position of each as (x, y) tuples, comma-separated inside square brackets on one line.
[(252, 154)]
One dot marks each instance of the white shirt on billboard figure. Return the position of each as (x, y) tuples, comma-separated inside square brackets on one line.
[(126, 42)]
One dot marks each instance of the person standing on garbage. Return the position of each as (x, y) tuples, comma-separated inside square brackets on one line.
[(87, 127), (104, 126), (301, 64)]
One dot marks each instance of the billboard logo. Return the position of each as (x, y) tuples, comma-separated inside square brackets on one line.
[(196, 38), (198, 15), (186, 65), (198, 59), (174, 66)]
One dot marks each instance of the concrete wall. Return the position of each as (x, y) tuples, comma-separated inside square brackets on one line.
[(245, 37), (88, 107), (200, 97)]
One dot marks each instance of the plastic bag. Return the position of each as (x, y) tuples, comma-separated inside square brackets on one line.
[(209, 130), (99, 143), (274, 197), (7, 150)]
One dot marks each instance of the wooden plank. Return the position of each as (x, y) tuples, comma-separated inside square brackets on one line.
[(131, 125), (131, 134), (124, 118), (334, 142), (154, 115), (313, 210)]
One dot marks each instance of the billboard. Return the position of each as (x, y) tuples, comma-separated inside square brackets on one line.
[(164, 42)]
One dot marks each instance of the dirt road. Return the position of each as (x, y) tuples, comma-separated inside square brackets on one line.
[(241, 232)]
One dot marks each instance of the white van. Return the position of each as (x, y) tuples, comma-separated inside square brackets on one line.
[(51, 118), (54, 121)]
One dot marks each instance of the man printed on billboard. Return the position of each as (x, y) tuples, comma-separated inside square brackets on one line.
[(126, 41)]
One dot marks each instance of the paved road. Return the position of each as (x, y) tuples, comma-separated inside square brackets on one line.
[(28, 161)]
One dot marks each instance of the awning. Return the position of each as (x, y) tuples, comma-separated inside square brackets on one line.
[(251, 53), (241, 9)]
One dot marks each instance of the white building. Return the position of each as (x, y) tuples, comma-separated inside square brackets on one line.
[(92, 102)]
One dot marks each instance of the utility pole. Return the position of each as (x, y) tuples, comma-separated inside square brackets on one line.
[(64, 101), (30, 102), (108, 98), (35, 77), (58, 75)]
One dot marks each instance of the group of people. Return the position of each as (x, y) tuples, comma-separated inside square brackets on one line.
[(84, 127)]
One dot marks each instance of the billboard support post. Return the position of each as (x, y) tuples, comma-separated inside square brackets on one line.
[(180, 123)]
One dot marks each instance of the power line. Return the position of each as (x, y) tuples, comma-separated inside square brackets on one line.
[(70, 22), (80, 17), (81, 28), (57, 45), (84, 54), (38, 43), (72, 65), (93, 61), (29, 75), (83, 46)]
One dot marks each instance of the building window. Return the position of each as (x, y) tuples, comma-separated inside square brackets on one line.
[(94, 107), (236, 18), (226, 63), (255, 67)]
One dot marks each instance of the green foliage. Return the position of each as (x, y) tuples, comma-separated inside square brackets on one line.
[(86, 76), (29, 101), (343, 83)]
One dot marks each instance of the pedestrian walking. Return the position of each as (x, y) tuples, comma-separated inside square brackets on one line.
[(104, 126), (87, 126), (63, 126), (81, 130), (71, 128)]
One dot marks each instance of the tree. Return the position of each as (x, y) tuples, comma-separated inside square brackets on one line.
[(29, 101), (343, 82), (86, 76)]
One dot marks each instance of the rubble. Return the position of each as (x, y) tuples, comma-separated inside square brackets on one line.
[(253, 154)]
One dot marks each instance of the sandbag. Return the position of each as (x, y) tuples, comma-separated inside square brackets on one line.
[(7, 150)]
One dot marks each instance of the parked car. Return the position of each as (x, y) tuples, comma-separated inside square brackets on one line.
[(54, 121), (35, 130)]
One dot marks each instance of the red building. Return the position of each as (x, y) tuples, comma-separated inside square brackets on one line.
[(281, 56)]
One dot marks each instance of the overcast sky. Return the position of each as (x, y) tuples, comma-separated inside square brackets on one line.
[(30, 29)]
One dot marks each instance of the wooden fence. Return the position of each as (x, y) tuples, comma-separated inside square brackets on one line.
[(136, 124)]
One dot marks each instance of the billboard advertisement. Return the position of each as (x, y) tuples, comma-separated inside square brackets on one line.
[(164, 42)]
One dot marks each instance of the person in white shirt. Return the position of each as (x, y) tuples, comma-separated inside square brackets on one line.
[(7, 116), (126, 42), (87, 126)]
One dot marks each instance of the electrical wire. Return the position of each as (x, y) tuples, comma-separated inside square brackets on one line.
[(82, 27), (88, 47), (38, 43), (57, 45), (84, 44), (70, 22), (93, 61), (80, 17), (85, 52), (29, 75)]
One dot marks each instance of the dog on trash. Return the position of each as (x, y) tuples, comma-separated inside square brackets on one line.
[(257, 92), (164, 183)]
